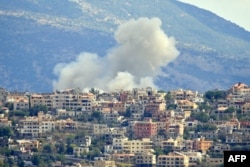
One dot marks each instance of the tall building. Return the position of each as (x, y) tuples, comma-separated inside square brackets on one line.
[(145, 129)]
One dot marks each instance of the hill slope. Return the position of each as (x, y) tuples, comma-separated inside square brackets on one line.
[(36, 35)]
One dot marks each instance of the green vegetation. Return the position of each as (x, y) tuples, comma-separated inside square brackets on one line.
[(6, 131), (215, 95), (205, 128), (200, 116)]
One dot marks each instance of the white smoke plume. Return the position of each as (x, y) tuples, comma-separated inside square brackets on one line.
[(143, 49)]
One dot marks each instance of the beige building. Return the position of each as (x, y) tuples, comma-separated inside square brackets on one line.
[(169, 144), (79, 150), (104, 163), (4, 121), (173, 159), (45, 99), (19, 99), (66, 125), (202, 145), (36, 126), (174, 129), (36, 100), (153, 108), (182, 94), (137, 146), (145, 159), (73, 99), (28, 144), (245, 108), (214, 161), (186, 105)]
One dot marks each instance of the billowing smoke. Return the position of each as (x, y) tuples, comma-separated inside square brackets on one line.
[(143, 49)]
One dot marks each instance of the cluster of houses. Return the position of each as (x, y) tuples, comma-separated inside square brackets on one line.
[(136, 124)]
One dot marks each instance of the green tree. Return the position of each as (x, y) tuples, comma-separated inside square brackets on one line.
[(95, 152), (18, 113), (127, 113), (230, 110), (171, 106), (96, 116), (9, 105), (94, 91), (6, 131), (34, 110), (60, 148), (216, 94), (36, 160), (205, 128), (69, 149), (205, 107), (158, 151), (168, 97), (47, 148), (200, 116)]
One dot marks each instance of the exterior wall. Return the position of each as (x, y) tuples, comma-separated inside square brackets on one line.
[(28, 144), (173, 160), (118, 143), (145, 129), (102, 163), (74, 100), (80, 150), (36, 100), (145, 160), (36, 126), (214, 161), (245, 108), (169, 144), (137, 146), (202, 144), (186, 105)]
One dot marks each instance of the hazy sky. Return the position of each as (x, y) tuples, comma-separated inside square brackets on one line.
[(237, 11)]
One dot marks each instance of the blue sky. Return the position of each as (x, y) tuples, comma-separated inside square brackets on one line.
[(237, 11)]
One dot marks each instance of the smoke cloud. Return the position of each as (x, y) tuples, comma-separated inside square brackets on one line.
[(142, 50)]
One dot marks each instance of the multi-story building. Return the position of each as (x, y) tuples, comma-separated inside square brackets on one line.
[(117, 143), (245, 108), (36, 100), (145, 159), (66, 125), (240, 89), (169, 144), (73, 99), (20, 100), (145, 129), (181, 94), (137, 110), (153, 108), (45, 99), (99, 129), (28, 144), (173, 159), (202, 145), (4, 120), (112, 116), (137, 146), (186, 105), (174, 129), (36, 126), (104, 163), (79, 150), (194, 157), (118, 106)]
